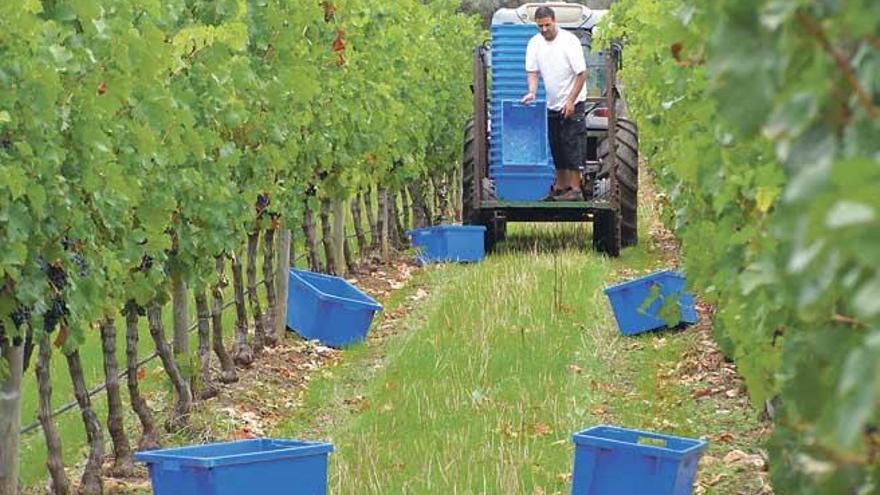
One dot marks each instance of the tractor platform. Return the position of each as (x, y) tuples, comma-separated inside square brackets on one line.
[(544, 211)]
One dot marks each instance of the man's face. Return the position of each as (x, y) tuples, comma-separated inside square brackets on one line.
[(547, 27)]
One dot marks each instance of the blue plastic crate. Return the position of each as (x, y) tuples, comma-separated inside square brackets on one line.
[(264, 466), (328, 309), (524, 133), (637, 304), (522, 169), (508, 78), (512, 186), (445, 243), (620, 461)]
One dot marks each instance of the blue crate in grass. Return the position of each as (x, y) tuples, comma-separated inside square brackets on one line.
[(620, 461), (524, 133), (263, 466), (513, 186), (328, 309), (640, 305), (449, 243)]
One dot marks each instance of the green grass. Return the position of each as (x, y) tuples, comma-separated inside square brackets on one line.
[(480, 390)]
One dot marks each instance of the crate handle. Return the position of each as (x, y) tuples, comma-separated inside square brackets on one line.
[(655, 292), (651, 441)]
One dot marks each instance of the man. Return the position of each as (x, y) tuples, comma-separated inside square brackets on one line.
[(558, 57)]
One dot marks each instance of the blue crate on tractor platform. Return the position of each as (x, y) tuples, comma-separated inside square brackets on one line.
[(449, 243), (515, 186), (328, 309), (637, 304), (260, 466), (524, 134), (618, 461)]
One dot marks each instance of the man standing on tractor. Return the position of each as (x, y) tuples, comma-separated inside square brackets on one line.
[(559, 58)]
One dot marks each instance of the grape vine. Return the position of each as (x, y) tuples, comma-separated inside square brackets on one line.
[(760, 118), (137, 137)]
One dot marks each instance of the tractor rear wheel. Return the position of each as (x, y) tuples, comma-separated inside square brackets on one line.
[(496, 231), (627, 177), (606, 235)]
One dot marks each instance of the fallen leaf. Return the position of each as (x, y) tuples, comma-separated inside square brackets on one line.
[(419, 295), (715, 479), (243, 434), (708, 460), (541, 429), (725, 437), (738, 457), (698, 394)]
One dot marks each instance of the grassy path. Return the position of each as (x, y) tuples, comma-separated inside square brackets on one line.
[(485, 379)]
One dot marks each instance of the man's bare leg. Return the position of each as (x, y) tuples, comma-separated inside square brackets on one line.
[(561, 181), (574, 179), (572, 186)]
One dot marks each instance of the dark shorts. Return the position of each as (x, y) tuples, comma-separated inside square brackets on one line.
[(568, 138)]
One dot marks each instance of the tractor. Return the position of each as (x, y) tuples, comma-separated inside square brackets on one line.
[(609, 175)]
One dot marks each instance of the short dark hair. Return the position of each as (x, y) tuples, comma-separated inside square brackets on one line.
[(543, 12)]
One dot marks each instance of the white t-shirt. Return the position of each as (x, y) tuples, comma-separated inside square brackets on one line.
[(559, 62)]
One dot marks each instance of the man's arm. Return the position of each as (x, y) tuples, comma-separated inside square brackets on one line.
[(570, 102), (533, 87), (531, 72)]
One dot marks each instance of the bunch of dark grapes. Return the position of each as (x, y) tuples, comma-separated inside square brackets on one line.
[(262, 203), (21, 316), (81, 264), (57, 276), (6, 141), (311, 190), (146, 263), (133, 307), (56, 312)]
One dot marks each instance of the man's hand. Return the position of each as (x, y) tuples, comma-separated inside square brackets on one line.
[(568, 110), (528, 98)]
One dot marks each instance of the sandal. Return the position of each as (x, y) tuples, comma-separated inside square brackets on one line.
[(554, 193), (570, 195)]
